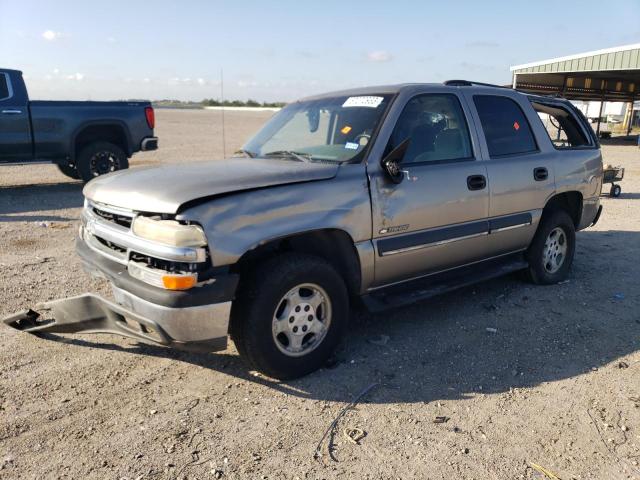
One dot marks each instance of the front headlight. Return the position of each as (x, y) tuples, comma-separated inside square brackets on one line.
[(169, 232)]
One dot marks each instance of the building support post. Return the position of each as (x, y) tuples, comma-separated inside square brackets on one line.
[(630, 119), (600, 117)]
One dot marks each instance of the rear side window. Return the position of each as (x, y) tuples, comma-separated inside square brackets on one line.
[(505, 126), (561, 125), (4, 87)]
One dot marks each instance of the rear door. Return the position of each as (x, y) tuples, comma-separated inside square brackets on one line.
[(521, 173), (15, 129), (437, 217)]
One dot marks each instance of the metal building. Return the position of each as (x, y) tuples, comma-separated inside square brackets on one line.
[(609, 75)]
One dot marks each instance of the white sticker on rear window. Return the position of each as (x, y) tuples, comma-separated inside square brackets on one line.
[(351, 146), (365, 101)]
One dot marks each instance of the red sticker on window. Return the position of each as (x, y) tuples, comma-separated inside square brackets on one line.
[(516, 125)]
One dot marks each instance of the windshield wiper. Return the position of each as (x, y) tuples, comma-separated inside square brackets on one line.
[(300, 156), (247, 153)]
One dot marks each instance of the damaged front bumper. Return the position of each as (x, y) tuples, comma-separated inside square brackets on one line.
[(201, 328)]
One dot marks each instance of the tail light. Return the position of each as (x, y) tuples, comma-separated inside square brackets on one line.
[(151, 117)]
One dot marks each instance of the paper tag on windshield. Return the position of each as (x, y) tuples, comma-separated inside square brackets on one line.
[(351, 146), (364, 101)]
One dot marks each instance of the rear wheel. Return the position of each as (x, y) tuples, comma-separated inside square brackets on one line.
[(69, 170), (551, 252), (615, 191), (100, 158), (290, 315)]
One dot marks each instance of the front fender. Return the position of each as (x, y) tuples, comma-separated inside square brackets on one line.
[(237, 223)]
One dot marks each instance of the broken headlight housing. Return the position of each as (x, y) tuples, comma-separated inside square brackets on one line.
[(169, 232)]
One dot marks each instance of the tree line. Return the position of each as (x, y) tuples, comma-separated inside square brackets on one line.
[(214, 102)]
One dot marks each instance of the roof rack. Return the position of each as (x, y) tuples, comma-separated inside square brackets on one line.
[(467, 83)]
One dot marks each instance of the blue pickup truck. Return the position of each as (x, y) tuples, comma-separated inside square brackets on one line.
[(84, 139)]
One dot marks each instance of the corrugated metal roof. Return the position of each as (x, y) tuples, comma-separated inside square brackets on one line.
[(626, 57)]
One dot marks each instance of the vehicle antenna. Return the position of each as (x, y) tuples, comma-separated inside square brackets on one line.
[(224, 143)]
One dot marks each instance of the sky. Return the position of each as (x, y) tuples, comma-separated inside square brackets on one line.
[(283, 50)]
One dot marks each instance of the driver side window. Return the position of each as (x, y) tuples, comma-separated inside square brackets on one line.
[(436, 128)]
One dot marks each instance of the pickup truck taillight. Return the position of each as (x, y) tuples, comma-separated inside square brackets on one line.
[(151, 117)]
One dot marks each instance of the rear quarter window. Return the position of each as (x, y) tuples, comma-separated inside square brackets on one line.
[(505, 126), (561, 125), (4, 87)]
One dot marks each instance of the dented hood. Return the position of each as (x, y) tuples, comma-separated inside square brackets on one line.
[(163, 189)]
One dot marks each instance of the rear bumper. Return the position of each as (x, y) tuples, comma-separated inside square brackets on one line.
[(201, 329), (149, 143)]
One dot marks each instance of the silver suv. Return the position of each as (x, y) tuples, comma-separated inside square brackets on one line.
[(386, 195)]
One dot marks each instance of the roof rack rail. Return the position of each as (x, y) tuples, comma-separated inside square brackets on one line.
[(468, 83)]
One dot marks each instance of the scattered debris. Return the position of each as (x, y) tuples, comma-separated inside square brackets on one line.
[(354, 435), (43, 260), (491, 330), (619, 296), (544, 471), (329, 432), (609, 448), (381, 340), (623, 365), (564, 282), (441, 419)]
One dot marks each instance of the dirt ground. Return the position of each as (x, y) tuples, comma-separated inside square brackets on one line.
[(557, 383)]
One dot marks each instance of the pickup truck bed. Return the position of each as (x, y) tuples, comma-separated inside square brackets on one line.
[(85, 139)]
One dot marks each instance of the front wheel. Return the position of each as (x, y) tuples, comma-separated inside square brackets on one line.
[(100, 158), (551, 252), (290, 315)]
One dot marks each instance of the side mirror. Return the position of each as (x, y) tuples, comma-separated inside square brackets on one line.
[(391, 163)]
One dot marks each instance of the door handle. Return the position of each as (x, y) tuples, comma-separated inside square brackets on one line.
[(476, 182), (11, 112), (540, 174)]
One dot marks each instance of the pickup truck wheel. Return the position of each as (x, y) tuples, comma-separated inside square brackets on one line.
[(551, 252), (290, 315), (69, 170), (99, 158)]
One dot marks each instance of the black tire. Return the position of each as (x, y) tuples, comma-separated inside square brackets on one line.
[(615, 191), (69, 170), (99, 158), (539, 270), (259, 298)]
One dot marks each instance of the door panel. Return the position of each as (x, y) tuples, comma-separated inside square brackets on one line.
[(15, 130), (518, 188), (430, 223)]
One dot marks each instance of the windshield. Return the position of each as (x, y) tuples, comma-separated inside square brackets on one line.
[(329, 129)]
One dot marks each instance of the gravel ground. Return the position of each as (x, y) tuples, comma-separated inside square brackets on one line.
[(522, 374)]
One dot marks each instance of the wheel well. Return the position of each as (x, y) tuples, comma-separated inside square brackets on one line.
[(335, 246), (571, 202), (101, 133)]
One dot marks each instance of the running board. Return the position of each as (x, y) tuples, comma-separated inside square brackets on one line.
[(413, 291)]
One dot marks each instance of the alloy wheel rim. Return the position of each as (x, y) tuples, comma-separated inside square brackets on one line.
[(555, 250), (301, 320), (103, 162)]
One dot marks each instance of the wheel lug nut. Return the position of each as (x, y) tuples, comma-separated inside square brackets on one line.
[(297, 308), (304, 328), (310, 318), (306, 309), (291, 319), (295, 329)]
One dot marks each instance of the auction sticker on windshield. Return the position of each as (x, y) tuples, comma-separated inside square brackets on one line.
[(364, 101)]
